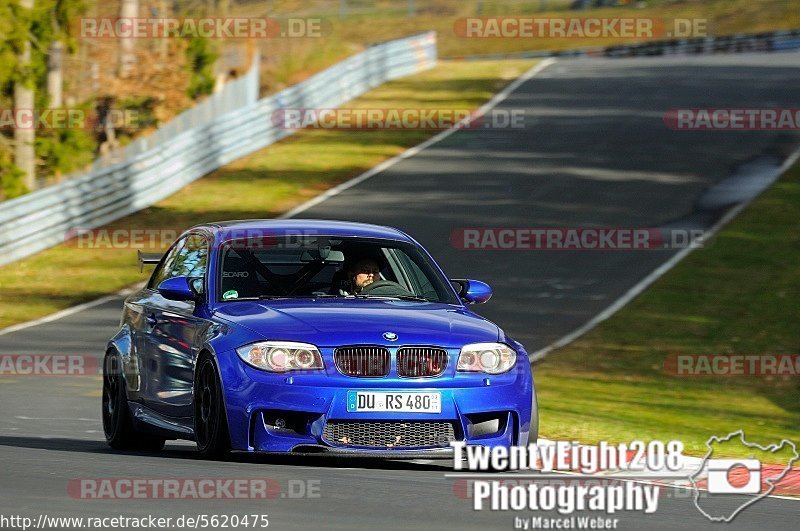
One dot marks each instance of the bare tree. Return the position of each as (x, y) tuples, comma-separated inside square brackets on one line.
[(24, 155), (127, 56), (55, 73)]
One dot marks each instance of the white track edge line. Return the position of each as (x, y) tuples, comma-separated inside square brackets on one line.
[(486, 107), (68, 311), (657, 273), (336, 190)]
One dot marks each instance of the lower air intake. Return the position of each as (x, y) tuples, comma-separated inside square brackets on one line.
[(389, 434)]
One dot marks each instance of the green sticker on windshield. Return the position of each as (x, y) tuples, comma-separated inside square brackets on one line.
[(230, 294)]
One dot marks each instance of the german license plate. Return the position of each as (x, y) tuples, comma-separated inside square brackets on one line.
[(399, 402)]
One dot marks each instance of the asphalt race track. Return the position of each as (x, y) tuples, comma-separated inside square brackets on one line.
[(595, 152)]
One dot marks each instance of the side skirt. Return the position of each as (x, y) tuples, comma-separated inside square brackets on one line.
[(153, 423)]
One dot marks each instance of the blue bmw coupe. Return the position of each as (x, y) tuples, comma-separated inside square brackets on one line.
[(309, 336)]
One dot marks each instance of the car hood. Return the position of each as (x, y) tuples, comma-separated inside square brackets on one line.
[(332, 322)]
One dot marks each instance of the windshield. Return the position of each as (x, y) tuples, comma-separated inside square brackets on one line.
[(319, 266)]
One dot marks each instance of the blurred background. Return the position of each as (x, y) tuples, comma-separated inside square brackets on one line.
[(43, 48)]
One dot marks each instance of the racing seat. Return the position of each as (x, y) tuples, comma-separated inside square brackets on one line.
[(340, 283), (239, 277)]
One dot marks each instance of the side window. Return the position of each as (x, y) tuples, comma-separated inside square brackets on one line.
[(188, 258), (422, 282), (162, 272), (192, 259)]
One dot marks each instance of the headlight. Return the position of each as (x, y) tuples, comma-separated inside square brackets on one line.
[(491, 358), (281, 356)]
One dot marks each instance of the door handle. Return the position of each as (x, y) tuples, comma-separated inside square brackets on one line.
[(151, 319)]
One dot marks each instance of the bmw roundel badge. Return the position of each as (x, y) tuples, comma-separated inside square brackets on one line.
[(390, 336)]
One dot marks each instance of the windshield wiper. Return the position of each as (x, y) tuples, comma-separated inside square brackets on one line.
[(414, 298), (320, 296), (395, 297)]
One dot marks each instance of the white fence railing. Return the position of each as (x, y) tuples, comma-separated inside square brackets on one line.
[(190, 146)]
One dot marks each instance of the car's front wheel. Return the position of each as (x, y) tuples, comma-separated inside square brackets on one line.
[(210, 421), (117, 423)]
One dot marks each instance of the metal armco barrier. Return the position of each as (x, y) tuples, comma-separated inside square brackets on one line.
[(748, 42), (775, 41), (190, 146)]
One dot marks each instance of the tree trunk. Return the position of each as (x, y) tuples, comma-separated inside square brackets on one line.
[(24, 155), (55, 74), (127, 56), (163, 43)]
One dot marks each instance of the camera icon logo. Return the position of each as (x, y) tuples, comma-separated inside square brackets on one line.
[(734, 476)]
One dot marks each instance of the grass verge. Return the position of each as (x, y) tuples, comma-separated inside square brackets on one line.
[(262, 185), (294, 59), (738, 296), (289, 60)]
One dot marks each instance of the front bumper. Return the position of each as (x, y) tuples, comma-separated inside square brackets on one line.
[(288, 413), (327, 451)]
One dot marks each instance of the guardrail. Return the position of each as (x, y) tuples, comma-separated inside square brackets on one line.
[(774, 41), (234, 95), (160, 165)]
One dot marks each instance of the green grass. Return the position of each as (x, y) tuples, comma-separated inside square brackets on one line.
[(740, 296), (261, 185), (287, 61), (293, 59)]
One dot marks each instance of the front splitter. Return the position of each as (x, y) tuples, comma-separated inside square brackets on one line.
[(312, 450)]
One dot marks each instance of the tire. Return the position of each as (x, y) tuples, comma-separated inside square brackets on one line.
[(533, 432), (117, 423), (210, 420)]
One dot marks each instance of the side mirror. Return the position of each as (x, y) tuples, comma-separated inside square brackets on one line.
[(177, 289), (472, 291)]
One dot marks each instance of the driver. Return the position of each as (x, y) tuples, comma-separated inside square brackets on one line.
[(364, 276), (363, 272)]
